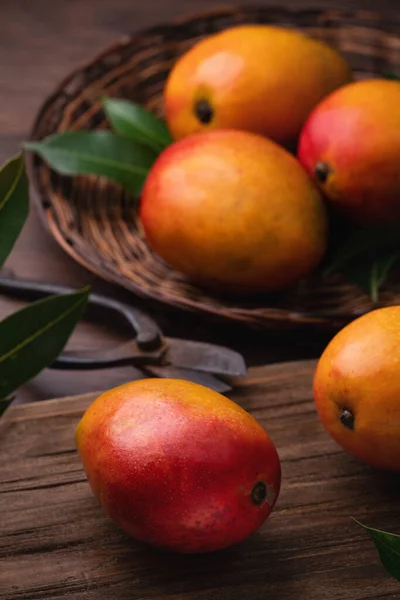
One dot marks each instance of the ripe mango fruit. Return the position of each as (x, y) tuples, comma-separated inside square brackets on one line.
[(350, 145), (357, 388), (177, 465), (260, 78), (234, 211)]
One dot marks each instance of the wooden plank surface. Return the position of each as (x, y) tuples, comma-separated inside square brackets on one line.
[(56, 542)]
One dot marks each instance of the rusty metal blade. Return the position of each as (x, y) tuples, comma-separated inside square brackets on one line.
[(206, 379), (202, 356)]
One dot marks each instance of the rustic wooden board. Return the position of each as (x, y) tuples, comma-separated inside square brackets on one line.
[(55, 541)]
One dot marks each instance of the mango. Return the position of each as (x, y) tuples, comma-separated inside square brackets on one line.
[(350, 145), (259, 78), (178, 466), (234, 211), (357, 388)]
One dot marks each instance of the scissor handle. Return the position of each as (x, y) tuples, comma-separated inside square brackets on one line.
[(148, 335)]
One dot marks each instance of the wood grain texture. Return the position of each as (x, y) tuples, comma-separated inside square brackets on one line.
[(56, 542)]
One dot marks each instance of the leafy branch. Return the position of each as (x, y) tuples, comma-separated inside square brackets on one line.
[(31, 338), (124, 155)]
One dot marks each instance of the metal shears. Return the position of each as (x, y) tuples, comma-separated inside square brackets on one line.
[(153, 353)]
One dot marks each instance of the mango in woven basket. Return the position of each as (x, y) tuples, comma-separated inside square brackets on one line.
[(350, 145), (260, 78), (234, 211)]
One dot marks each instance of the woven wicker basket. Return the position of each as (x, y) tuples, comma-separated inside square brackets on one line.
[(92, 218)]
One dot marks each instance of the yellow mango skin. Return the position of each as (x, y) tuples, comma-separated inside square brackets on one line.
[(257, 78), (234, 211), (360, 370)]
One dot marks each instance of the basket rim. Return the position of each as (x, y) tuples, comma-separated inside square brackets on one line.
[(185, 20), (291, 318)]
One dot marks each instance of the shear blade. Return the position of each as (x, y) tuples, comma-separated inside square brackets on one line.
[(205, 357), (205, 379)]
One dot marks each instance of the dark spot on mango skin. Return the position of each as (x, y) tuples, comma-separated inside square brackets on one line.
[(204, 111), (322, 171), (346, 418), (259, 493)]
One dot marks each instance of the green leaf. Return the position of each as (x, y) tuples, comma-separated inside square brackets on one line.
[(365, 255), (97, 153), (371, 273), (136, 123), (14, 203), (388, 546), (358, 242), (379, 272), (33, 337)]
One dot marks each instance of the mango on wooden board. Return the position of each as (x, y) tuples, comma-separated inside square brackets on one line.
[(357, 388), (177, 465)]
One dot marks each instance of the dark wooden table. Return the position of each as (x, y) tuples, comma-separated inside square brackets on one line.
[(56, 543), (40, 42)]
